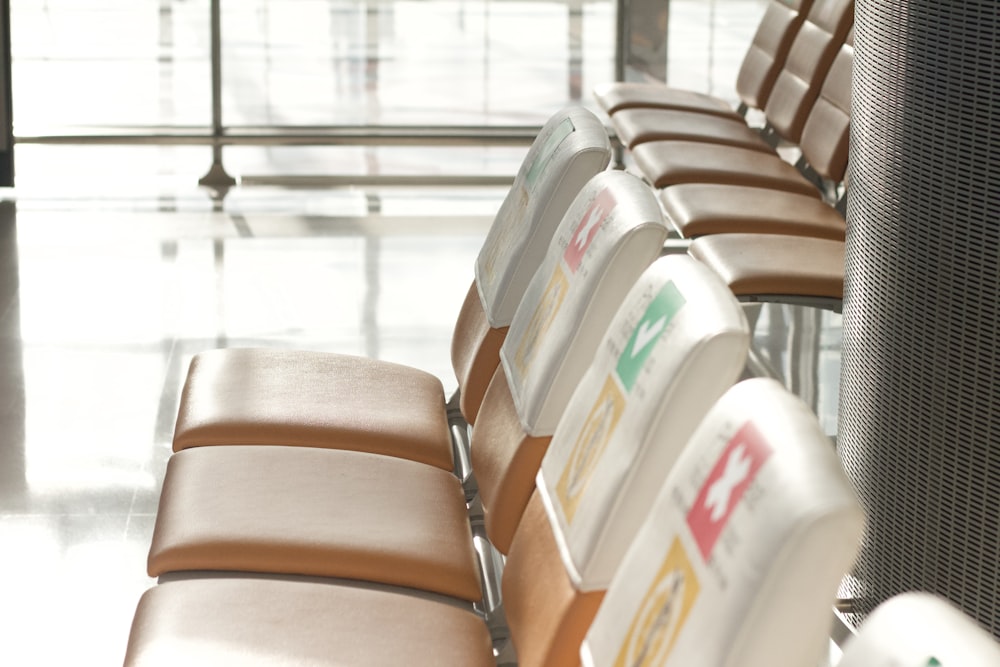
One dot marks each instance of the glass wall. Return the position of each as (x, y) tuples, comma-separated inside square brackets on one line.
[(142, 69)]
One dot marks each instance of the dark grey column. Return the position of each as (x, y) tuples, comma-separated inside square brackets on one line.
[(6, 106), (920, 389)]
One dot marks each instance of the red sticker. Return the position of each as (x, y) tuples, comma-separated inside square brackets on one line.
[(743, 456), (595, 216)]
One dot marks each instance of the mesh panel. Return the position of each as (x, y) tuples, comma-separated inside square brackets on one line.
[(920, 392)]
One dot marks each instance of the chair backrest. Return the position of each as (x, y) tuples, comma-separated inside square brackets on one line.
[(613, 230), (920, 630), (678, 343), (769, 49), (739, 561), (826, 136), (572, 147), (800, 80)]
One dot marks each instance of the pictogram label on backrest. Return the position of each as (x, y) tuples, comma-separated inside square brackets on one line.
[(541, 319), (544, 156), (589, 446), (652, 324), (661, 616), (729, 479), (593, 218), (512, 218)]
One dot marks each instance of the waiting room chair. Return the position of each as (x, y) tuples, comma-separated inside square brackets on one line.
[(744, 548), (286, 397)]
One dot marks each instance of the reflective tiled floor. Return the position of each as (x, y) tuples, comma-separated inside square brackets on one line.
[(115, 269)]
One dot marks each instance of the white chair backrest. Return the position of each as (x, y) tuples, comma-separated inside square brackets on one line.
[(739, 560), (611, 233), (920, 630), (571, 148), (677, 343)]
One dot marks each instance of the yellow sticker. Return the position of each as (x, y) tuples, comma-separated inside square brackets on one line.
[(589, 447), (541, 320), (505, 237), (662, 614)]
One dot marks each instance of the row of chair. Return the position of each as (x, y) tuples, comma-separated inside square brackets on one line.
[(671, 348), (757, 220), (674, 345), (645, 511)]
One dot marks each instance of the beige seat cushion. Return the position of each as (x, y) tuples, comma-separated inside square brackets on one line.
[(666, 163), (697, 209), (301, 510), (313, 399), (262, 623), (637, 126), (772, 264)]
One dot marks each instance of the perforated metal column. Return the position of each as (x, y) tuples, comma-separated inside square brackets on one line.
[(920, 390)]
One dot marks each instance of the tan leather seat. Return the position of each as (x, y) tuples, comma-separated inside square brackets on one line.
[(774, 265), (764, 59), (699, 209), (307, 511), (637, 126), (313, 399), (666, 163), (258, 623)]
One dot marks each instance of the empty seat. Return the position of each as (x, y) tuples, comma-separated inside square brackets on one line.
[(352, 514), (282, 397), (787, 530), (700, 209), (775, 267), (741, 556)]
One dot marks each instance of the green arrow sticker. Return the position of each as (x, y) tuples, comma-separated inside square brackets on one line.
[(541, 161), (654, 321), (933, 662)]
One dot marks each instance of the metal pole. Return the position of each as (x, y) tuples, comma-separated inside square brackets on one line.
[(217, 176), (6, 100), (621, 38)]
